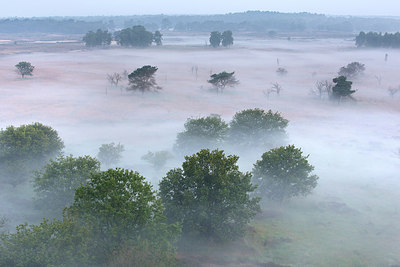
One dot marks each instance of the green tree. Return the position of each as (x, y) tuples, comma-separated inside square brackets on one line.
[(257, 128), (98, 38), (136, 36), (215, 39), (222, 80), (157, 38), (121, 208), (210, 196), (227, 39), (26, 148), (110, 154), (24, 68), (342, 88), (142, 79), (55, 184), (283, 173), (206, 132), (352, 70)]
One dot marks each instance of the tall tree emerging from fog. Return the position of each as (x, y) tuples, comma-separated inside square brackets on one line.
[(206, 132), (136, 36), (26, 148), (210, 196), (98, 38), (25, 68), (227, 39), (257, 128), (215, 39), (222, 80), (142, 79), (55, 184), (283, 173), (342, 88)]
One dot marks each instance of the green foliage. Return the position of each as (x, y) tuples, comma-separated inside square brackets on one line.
[(215, 38), (136, 36), (51, 243), (98, 38), (283, 173), (120, 207), (352, 70), (142, 79), (55, 184), (227, 38), (24, 68), (257, 128), (25, 148), (110, 154), (157, 38), (210, 196), (158, 159), (342, 88), (206, 132), (223, 79), (374, 39)]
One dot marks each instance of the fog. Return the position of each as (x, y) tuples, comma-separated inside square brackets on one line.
[(354, 146)]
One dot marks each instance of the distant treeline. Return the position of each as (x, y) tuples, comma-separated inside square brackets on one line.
[(250, 21), (49, 25), (374, 39)]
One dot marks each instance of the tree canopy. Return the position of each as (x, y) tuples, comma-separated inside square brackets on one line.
[(227, 39), (257, 128), (374, 39), (283, 173), (210, 196), (55, 184), (136, 36), (110, 154), (215, 39), (352, 70), (142, 79), (222, 80), (25, 68), (157, 37), (26, 148), (206, 132), (98, 38), (342, 88)]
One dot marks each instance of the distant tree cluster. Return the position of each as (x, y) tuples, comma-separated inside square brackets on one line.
[(136, 36), (374, 39), (98, 38), (251, 128), (216, 38), (352, 70)]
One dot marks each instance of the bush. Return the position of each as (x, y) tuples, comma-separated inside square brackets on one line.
[(352, 70), (283, 173), (210, 196)]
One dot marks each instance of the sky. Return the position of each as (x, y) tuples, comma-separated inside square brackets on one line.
[(39, 8)]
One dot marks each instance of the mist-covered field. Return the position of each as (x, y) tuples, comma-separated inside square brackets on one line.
[(352, 217)]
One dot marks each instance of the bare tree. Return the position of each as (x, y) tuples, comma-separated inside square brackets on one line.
[(323, 87), (114, 78), (276, 87), (378, 79)]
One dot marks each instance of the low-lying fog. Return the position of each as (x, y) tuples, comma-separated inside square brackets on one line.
[(353, 146)]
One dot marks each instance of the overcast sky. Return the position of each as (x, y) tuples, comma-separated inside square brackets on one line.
[(30, 8)]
